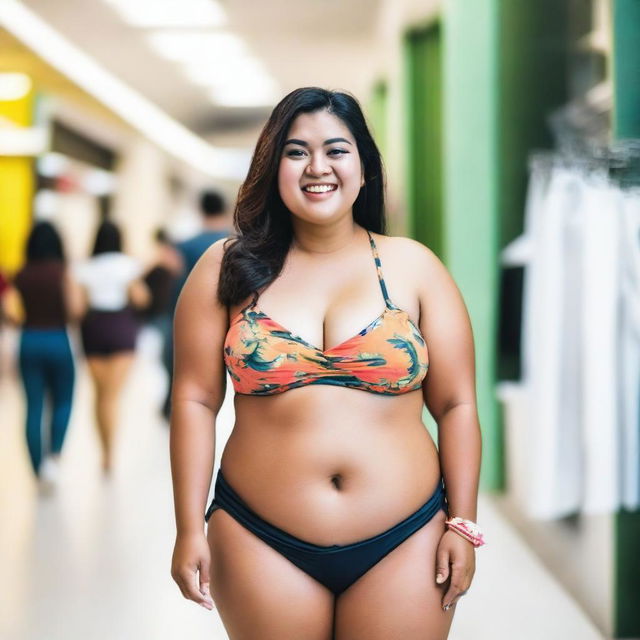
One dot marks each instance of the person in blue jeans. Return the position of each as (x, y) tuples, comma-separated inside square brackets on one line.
[(47, 298)]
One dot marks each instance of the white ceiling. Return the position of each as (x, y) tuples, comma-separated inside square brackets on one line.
[(301, 42)]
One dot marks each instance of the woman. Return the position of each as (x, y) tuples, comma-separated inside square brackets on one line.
[(112, 284), (44, 298), (329, 513)]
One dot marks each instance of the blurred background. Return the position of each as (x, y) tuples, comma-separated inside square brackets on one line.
[(510, 132)]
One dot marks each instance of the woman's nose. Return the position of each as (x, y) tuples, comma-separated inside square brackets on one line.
[(318, 165)]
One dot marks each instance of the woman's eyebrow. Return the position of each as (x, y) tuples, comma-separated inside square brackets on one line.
[(302, 143)]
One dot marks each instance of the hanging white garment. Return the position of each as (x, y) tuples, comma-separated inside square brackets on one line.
[(629, 350), (600, 372), (554, 488)]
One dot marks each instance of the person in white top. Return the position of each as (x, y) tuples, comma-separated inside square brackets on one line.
[(113, 288)]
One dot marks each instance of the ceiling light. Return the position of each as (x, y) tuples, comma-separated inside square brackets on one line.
[(142, 114), (255, 92), (170, 13), (14, 86), (193, 46), (217, 73)]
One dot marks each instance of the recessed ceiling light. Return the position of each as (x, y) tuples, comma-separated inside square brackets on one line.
[(194, 46), (170, 13), (217, 73), (256, 92)]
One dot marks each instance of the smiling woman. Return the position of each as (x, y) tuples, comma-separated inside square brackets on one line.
[(322, 170), (330, 507)]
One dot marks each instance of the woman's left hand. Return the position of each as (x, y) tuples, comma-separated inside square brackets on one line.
[(455, 558)]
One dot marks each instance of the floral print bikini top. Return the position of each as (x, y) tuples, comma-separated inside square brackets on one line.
[(389, 356)]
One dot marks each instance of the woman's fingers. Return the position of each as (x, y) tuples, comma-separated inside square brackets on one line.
[(189, 584), (203, 580), (190, 566), (460, 582), (442, 564)]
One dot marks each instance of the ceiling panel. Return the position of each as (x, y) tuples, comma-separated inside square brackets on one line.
[(306, 42)]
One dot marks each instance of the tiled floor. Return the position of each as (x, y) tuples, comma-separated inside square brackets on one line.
[(93, 560)]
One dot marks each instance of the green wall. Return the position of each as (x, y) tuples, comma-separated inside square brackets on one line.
[(470, 143), (423, 64), (626, 68), (532, 68), (626, 118)]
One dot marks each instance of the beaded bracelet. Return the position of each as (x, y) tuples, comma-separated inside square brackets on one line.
[(467, 529)]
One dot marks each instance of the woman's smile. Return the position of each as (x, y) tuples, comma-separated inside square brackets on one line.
[(319, 191)]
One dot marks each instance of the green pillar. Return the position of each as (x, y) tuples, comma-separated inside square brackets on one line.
[(533, 65), (626, 118), (626, 68), (471, 125), (423, 63)]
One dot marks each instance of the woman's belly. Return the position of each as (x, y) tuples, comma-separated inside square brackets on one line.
[(331, 465)]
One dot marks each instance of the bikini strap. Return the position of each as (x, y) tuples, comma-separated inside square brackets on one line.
[(376, 259)]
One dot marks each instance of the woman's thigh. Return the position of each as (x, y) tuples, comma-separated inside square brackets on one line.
[(398, 598), (259, 594)]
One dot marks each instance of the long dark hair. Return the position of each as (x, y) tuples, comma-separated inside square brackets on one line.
[(108, 238), (44, 243), (255, 256)]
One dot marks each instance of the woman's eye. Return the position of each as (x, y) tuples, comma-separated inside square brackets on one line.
[(299, 153)]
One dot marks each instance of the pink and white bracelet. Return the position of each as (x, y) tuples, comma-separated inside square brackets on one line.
[(467, 529)]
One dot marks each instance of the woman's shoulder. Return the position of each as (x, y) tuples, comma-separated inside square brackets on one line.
[(208, 266), (212, 257), (406, 251), (410, 261)]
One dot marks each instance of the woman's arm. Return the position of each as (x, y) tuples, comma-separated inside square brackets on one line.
[(12, 306), (449, 389), (449, 393), (198, 390), (139, 294), (75, 298)]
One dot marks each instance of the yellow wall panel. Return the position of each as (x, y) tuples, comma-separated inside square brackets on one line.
[(16, 189)]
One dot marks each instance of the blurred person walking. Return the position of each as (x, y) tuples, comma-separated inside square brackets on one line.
[(161, 279), (43, 298), (215, 226), (109, 329)]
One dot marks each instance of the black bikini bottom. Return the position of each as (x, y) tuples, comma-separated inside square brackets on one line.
[(337, 566)]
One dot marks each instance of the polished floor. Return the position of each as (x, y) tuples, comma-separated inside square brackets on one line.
[(92, 560)]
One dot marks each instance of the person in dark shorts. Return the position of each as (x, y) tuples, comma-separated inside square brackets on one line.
[(111, 280)]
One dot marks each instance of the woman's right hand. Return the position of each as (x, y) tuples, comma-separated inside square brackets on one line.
[(190, 568)]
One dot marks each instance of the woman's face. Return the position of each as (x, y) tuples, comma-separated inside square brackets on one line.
[(320, 172)]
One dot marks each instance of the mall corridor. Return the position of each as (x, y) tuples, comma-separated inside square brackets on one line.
[(92, 560)]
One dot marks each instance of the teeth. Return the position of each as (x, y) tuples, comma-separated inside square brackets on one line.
[(320, 188)]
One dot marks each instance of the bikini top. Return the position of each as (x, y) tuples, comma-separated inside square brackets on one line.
[(389, 356)]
